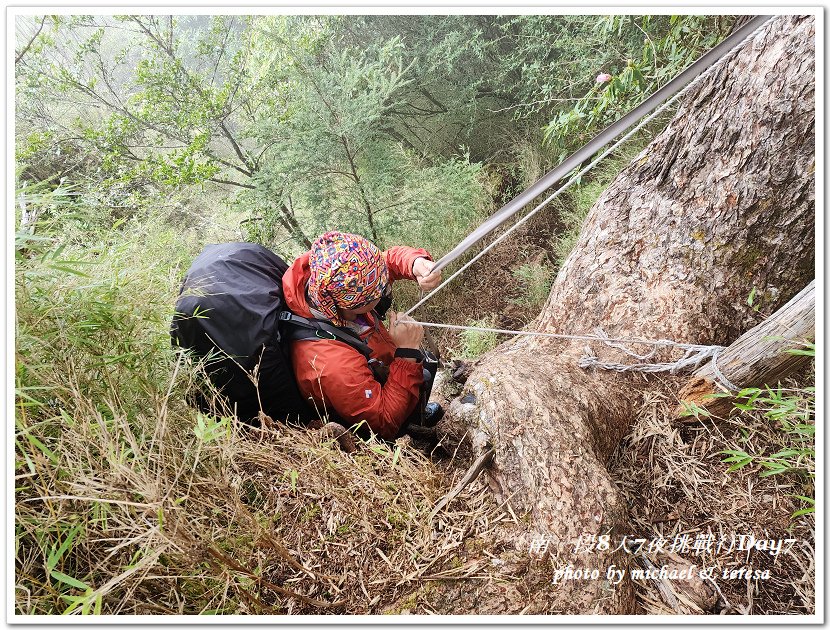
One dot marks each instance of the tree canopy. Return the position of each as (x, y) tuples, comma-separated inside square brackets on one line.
[(369, 123)]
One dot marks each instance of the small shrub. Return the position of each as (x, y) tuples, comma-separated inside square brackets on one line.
[(792, 412), (534, 281), (475, 343)]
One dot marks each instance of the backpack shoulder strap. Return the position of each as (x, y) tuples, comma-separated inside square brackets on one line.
[(316, 329)]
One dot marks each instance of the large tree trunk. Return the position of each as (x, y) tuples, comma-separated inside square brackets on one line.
[(721, 202)]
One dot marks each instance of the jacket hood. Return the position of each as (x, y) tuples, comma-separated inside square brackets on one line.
[(293, 286)]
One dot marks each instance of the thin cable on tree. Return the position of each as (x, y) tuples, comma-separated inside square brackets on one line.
[(579, 174), (695, 354)]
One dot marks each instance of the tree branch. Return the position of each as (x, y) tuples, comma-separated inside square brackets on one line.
[(31, 41), (231, 183), (760, 356), (354, 175), (433, 100), (237, 149), (169, 51)]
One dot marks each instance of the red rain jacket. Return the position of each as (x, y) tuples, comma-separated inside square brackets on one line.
[(338, 377)]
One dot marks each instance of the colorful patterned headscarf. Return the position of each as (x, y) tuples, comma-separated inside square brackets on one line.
[(346, 271)]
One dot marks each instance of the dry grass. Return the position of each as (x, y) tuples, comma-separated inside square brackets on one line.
[(361, 519), (237, 521), (676, 483), (129, 502)]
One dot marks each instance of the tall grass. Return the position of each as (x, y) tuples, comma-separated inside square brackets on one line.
[(98, 427), (129, 501), (534, 280)]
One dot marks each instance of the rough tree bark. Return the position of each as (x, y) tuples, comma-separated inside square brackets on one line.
[(720, 202)]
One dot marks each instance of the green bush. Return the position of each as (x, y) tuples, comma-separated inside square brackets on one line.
[(534, 281), (474, 342)]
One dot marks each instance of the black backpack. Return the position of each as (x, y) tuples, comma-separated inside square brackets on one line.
[(231, 313)]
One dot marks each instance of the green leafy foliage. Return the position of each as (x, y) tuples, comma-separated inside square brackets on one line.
[(667, 44), (792, 413), (692, 409), (208, 429), (369, 124), (810, 509), (336, 159), (140, 102), (476, 343)]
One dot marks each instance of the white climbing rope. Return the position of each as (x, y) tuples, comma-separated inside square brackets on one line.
[(719, 377), (600, 336), (580, 173), (694, 354)]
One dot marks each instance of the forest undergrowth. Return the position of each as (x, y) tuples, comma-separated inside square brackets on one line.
[(129, 501)]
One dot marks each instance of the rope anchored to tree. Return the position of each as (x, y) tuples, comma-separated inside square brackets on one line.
[(695, 354)]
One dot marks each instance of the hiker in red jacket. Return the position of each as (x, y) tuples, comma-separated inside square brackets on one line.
[(342, 280)]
